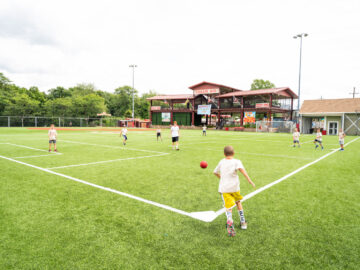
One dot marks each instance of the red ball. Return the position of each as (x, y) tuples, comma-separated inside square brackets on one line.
[(203, 164)]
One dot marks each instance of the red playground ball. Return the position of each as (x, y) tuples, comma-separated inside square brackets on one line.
[(203, 164)]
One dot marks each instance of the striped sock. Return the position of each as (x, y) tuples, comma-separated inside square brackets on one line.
[(242, 217)]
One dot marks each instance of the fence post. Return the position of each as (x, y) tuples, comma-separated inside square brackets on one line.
[(8, 121), (100, 122), (59, 122), (80, 122), (35, 121)]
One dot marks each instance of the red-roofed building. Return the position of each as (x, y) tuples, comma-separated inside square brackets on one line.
[(223, 100)]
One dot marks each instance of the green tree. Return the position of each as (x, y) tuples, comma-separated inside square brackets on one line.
[(261, 84), (82, 89), (122, 100), (22, 105), (58, 92), (88, 105), (59, 107)]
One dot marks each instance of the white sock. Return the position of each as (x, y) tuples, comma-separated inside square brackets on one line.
[(229, 216)]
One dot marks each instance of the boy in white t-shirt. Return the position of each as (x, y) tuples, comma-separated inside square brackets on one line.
[(175, 132), (204, 130), (158, 134), (318, 139), (229, 187), (296, 137), (341, 139), (123, 132), (52, 134)]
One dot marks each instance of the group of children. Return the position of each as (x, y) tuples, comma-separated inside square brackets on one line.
[(318, 139), (226, 170)]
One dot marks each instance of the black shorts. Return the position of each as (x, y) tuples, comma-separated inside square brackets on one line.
[(316, 140), (52, 141), (175, 139), (158, 134)]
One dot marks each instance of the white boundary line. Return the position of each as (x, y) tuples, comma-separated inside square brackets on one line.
[(206, 216), (40, 156), (105, 161), (113, 146), (28, 147)]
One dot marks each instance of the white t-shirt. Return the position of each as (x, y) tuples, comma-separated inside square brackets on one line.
[(229, 179), (341, 135), (124, 131), (296, 135), (204, 128), (175, 131), (52, 134), (158, 131), (319, 136)]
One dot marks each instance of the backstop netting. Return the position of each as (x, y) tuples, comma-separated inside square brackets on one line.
[(275, 126)]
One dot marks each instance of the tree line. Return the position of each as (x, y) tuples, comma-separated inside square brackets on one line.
[(82, 100)]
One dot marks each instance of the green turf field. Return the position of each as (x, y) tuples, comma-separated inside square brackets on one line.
[(50, 220)]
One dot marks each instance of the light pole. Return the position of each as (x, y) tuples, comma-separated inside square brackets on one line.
[(301, 37), (133, 90)]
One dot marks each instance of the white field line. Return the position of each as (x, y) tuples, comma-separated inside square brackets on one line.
[(103, 188), (249, 153), (252, 194), (28, 147), (105, 161), (51, 155), (114, 146)]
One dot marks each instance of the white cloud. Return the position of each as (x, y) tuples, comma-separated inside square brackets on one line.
[(179, 43)]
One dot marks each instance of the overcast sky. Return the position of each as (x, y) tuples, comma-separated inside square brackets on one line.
[(179, 43)]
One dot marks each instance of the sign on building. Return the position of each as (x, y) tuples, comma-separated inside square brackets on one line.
[(204, 109), (249, 117), (207, 91), (262, 105), (165, 117), (155, 108)]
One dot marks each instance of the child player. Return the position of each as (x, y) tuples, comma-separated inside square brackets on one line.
[(318, 139), (175, 135), (204, 130), (341, 139), (296, 137), (52, 134), (158, 134), (123, 133), (229, 187)]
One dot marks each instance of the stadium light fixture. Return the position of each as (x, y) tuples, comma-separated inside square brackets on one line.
[(301, 37), (133, 89)]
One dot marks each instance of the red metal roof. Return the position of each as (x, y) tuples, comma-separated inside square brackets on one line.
[(282, 91), (172, 97), (193, 87)]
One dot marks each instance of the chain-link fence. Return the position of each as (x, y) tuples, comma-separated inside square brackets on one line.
[(35, 121)]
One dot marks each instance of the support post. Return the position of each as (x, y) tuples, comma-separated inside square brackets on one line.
[(59, 122), (171, 113), (193, 113), (242, 111), (35, 121), (270, 105), (291, 108), (8, 121), (101, 122)]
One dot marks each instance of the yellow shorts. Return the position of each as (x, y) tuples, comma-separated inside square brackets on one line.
[(230, 199)]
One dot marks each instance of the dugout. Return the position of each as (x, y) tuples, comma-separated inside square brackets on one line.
[(330, 115)]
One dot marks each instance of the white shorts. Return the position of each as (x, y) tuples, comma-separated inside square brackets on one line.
[(341, 141)]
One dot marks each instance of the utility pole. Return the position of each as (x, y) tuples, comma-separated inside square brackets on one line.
[(354, 93), (133, 89)]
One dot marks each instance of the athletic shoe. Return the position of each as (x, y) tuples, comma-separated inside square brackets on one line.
[(49, 150), (243, 225), (177, 149), (230, 228), (322, 148), (55, 150)]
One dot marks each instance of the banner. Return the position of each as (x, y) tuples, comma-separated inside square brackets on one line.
[(204, 109), (207, 91), (165, 117), (262, 105), (249, 117), (155, 108)]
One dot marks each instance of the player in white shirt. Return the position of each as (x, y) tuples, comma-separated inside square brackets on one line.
[(318, 139), (229, 187), (123, 133), (341, 139), (175, 133), (52, 134), (158, 134), (296, 137), (204, 130)]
